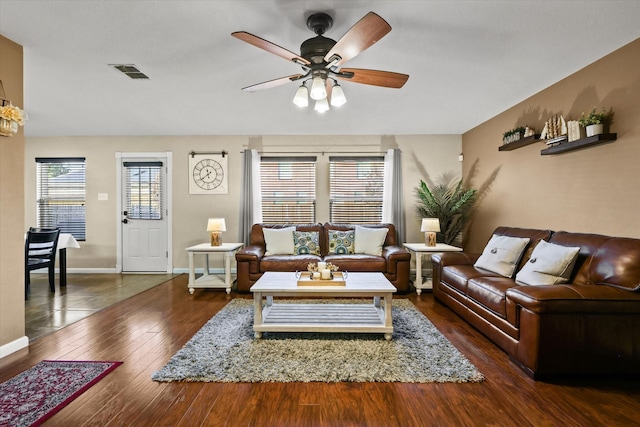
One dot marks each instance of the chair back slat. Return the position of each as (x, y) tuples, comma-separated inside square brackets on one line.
[(41, 243)]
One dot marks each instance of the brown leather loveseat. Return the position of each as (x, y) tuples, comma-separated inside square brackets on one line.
[(590, 325), (252, 260)]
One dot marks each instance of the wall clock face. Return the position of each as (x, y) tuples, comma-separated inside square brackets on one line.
[(208, 174)]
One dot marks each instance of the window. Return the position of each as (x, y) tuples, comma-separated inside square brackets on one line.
[(355, 189), (288, 189), (143, 190), (60, 195)]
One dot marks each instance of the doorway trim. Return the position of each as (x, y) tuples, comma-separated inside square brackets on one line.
[(167, 157)]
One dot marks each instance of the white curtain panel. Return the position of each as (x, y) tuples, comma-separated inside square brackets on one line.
[(251, 200), (392, 205)]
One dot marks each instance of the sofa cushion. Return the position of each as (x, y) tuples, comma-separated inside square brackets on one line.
[(457, 276), (279, 241), (287, 262), (369, 241), (358, 262), (549, 264), (502, 254), (306, 242), (341, 241), (490, 292)]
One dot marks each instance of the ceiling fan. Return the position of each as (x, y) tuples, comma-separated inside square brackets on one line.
[(321, 58)]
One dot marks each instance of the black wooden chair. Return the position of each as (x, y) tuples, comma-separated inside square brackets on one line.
[(40, 252)]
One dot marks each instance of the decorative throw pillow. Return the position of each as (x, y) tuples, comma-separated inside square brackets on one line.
[(279, 241), (306, 243), (549, 264), (501, 255), (369, 240), (341, 242)]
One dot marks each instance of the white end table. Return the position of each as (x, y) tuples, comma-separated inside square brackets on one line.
[(212, 280), (420, 248)]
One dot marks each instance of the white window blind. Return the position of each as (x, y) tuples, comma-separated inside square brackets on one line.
[(356, 189), (60, 195), (144, 190), (288, 189)]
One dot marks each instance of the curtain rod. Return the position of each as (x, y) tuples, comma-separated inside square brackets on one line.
[(193, 153)]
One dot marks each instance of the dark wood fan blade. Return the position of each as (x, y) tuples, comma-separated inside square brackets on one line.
[(363, 34), (373, 77), (273, 83), (270, 47)]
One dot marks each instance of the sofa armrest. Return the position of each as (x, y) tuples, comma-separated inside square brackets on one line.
[(393, 255), (251, 254), (442, 259), (570, 298)]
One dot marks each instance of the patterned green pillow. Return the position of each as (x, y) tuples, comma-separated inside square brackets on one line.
[(306, 243), (341, 242)]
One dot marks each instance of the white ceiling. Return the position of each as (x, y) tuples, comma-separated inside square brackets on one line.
[(468, 61)]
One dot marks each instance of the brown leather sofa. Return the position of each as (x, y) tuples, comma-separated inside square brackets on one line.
[(252, 261), (590, 325)]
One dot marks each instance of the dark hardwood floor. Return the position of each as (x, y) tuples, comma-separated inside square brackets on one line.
[(84, 295), (145, 330)]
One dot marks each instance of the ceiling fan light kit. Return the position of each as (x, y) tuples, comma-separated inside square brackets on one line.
[(302, 97), (318, 89), (322, 105), (321, 57)]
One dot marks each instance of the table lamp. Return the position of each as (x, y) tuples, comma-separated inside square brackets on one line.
[(430, 226), (216, 226)]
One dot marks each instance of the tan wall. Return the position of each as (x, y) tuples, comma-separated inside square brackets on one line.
[(11, 204), (593, 190), (423, 156)]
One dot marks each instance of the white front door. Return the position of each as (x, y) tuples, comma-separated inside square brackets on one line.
[(144, 215)]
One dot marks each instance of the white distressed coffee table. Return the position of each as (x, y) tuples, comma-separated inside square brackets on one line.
[(374, 317)]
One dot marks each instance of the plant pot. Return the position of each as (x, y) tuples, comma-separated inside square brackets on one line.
[(595, 130)]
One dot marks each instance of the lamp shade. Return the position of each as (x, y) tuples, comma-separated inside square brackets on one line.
[(216, 224), (302, 97), (318, 89), (322, 105), (430, 224), (337, 96)]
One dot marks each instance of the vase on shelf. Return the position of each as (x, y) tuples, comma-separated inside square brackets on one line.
[(8, 127), (594, 130)]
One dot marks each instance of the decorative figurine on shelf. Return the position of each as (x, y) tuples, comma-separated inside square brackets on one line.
[(555, 127), (529, 131)]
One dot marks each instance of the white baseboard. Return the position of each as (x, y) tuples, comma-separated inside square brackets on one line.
[(14, 346), (201, 270), (81, 270), (91, 270)]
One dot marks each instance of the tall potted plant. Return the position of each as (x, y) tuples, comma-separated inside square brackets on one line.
[(451, 203)]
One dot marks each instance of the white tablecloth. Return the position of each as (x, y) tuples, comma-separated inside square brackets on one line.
[(66, 240)]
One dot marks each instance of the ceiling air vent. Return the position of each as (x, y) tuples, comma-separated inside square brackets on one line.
[(130, 70)]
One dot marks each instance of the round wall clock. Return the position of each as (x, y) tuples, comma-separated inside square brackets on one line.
[(208, 174)]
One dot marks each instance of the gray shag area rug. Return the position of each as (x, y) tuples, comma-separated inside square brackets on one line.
[(225, 350)]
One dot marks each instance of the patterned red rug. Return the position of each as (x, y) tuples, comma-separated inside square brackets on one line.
[(35, 395)]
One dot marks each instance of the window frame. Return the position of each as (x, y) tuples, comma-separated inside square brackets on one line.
[(294, 201), (355, 205), (70, 196)]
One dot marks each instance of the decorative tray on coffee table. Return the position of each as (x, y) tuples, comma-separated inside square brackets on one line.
[(305, 278)]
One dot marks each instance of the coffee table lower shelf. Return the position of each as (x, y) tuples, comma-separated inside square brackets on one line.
[(320, 317)]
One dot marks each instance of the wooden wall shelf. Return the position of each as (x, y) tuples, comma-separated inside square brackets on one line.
[(580, 143), (519, 143)]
